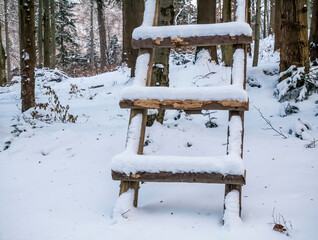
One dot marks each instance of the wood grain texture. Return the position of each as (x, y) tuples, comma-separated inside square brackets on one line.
[(185, 104), (191, 41), (189, 177)]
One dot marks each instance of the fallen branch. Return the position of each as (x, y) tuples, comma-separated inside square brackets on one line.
[(270, 124)]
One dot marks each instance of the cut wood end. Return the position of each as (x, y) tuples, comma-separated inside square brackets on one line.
[(158, 41), (134, 176)]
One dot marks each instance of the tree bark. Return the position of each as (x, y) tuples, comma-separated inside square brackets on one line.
[(278, 24), (3, 79), (132, 17), (294, 48), (40, 33), (102, 34), (92, 54), (313, 39), (8, 43), (249, 21), (257, 33), (227, 51), (47, 33), (272, 17), (53, 35), (207, 14), (265, 19), (160, 70), (28, 53)]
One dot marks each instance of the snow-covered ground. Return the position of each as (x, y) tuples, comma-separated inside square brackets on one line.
[(55, 180)]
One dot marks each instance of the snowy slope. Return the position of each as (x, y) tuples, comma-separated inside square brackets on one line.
[(55, 180)]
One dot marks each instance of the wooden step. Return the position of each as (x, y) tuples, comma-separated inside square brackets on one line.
[(188, 177), (186, 98), (192, 35)]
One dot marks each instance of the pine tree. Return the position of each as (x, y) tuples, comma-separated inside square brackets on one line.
[(313, 39), (113, 50), (65, 32)]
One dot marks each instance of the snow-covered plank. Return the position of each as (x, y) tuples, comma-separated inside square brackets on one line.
[(219, 98), (193, 106), (129, 163), (188, 177), (192, 35)]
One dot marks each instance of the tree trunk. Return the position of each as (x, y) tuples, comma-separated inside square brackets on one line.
[(249, 21), (92, 54), (294, 48), (272, 18), (53, 35), (227, 51), (278, 24), (28, 54), (160, 70), (265, 19), (313, 39), (47, 33), (132, 17), (207, 14), (40, 33), (257, 33), (8, 43), (102, 34), (21, 33), (3, 80)]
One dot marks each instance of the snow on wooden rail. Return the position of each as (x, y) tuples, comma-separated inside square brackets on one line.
[(187, 98), (192, 35), (128, 165)]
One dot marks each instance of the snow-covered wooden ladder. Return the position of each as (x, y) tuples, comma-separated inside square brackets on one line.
[(131, 166)]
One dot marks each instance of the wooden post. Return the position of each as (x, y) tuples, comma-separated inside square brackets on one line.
[(126, 185)]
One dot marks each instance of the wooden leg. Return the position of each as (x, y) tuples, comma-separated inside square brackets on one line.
[(228, 189), (125, 186)]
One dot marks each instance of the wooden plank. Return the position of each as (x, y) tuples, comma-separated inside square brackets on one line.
[(188, 177), (184, 104), (180, 42)]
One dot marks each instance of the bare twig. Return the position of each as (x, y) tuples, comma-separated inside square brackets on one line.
[(270, 124)]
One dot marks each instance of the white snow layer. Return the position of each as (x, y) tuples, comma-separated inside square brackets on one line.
[(123, 205), (232, 208), (240, 11), (235, 138), (218, 93), (238, 68), (195, 30), (141, 70), (130, 162), (149, 14)]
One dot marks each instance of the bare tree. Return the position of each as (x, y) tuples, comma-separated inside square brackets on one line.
[(92, 54), (47, 33), (227, 51), (53, 33), (272, 17), (3, 79), (102, 33), (40, 33), (207, 14), (132, 17), (28, 55), (257, 33), (294, 48), (278, 23), (8, 43), (160, 70)]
